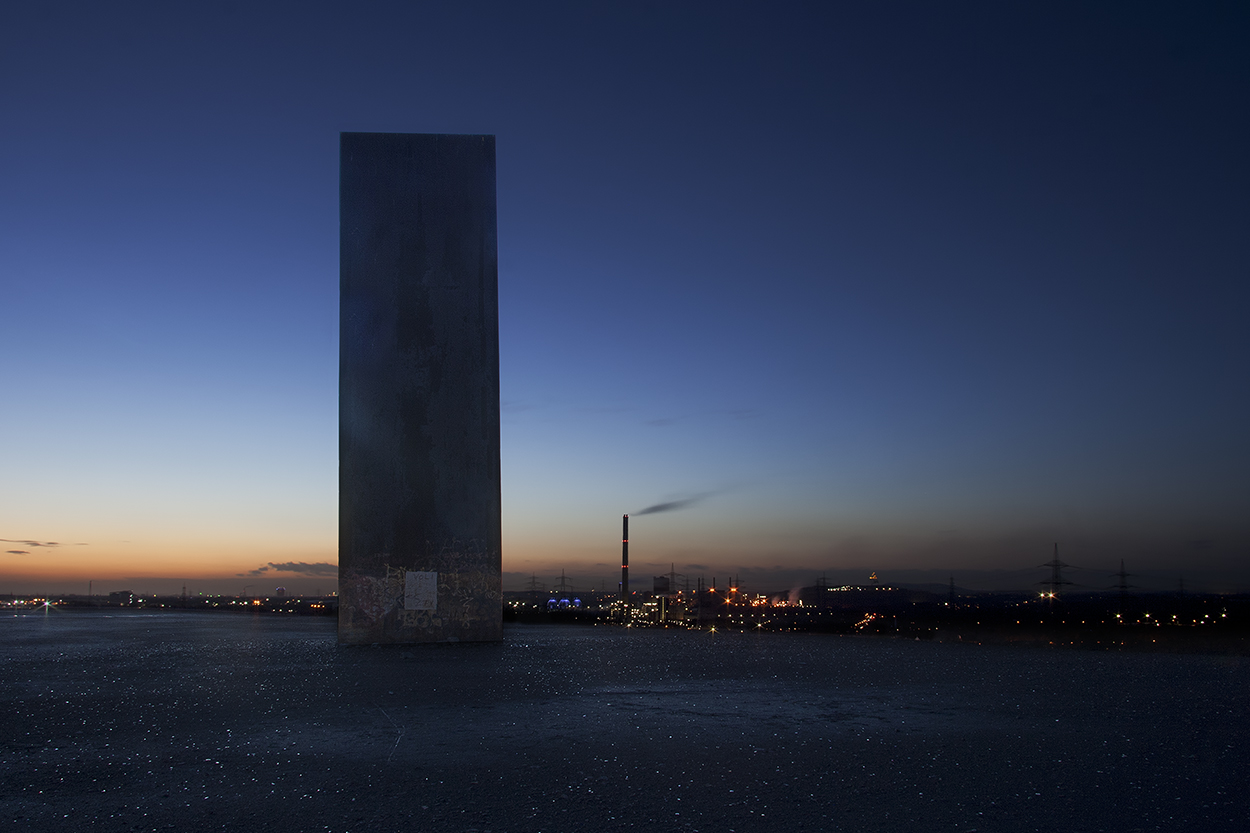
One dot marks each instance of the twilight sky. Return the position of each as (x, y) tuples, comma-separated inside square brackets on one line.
[(920, 288)]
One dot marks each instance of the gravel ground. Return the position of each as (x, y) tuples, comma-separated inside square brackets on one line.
[(198, 721)]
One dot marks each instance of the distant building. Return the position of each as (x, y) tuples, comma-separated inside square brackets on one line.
[(863, 597)]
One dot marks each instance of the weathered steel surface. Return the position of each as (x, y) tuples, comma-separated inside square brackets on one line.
[(419, 521)]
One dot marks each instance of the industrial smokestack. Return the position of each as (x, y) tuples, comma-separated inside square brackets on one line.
[(625, 566)]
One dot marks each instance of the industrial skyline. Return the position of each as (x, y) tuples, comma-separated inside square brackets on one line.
[(905, 288)]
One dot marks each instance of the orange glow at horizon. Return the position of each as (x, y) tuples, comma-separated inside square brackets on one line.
[(155, 559)]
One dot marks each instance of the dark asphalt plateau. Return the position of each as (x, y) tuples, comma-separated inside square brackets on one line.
[(202, 721)]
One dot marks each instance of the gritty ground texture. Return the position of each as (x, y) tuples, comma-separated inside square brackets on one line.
[(201, 721)]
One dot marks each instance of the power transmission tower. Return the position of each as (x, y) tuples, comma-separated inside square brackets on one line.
[(1123, 586), (562, 588), (1056, 576)]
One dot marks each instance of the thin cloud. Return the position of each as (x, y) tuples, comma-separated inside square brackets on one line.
[(30, 543), (319, 568), (620, 409), (19, 552)]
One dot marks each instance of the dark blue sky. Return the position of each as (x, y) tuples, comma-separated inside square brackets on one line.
[(900, 286)]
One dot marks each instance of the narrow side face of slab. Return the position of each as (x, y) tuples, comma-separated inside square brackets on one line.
[(419, 520)]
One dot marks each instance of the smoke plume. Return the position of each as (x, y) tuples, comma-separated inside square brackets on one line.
[(674, 505)]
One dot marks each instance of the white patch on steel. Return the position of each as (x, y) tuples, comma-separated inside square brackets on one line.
[(420, 591)]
